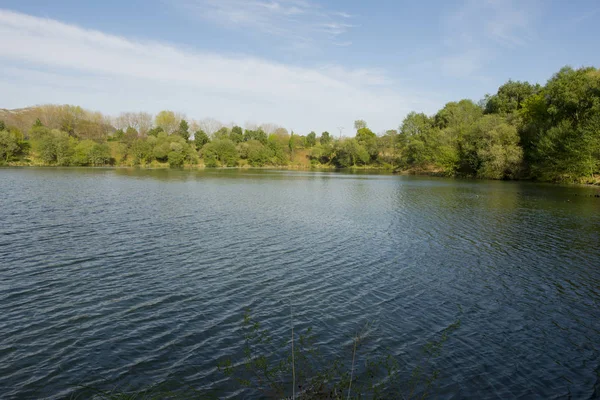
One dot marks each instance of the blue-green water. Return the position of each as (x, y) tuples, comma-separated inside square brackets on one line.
[(129, 278)]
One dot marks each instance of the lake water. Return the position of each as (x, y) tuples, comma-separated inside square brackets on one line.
[(119, 278)]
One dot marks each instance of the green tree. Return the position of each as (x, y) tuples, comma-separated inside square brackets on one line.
[(9, 145), (200, 138), (70, 118), (258, 134), (167, 120), (88, 152), (220, 152), (140, 151), (458, 115), (92, 130), (184, 130), (155, 131), (278, 143), (130, 134), (161, 150), (100, 154), (566, 153), (322, 154), (176, 159), (118, 135), (311, 139), (492, 149), (413, 131), (236, 135), (325, 138), (424, 145), (368, 139), (258, 154), (510, 97), (560, 129), (222, 133), (45, 148), (360, 124), (64, 147), (350, 153)]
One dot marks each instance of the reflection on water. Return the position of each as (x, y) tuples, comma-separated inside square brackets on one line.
[(129, 277)]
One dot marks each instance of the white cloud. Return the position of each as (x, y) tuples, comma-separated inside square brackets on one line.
[(46, 60), (296, 20)]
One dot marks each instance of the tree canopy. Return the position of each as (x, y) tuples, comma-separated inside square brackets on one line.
[(523, 131)]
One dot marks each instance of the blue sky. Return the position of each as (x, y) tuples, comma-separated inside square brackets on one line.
[(303, 64)]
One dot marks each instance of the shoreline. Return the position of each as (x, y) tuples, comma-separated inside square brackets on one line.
[(320, 168)]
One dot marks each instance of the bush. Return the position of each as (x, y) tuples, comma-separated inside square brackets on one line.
[(220, 152), (176, 159)]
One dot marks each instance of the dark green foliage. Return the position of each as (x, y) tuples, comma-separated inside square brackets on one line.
[(548, 133), (90, 153), (458, 115), (349, 153), (510, 97), (222, 133), (258, 154), (492, 149), (277, 145), (140, 151), (184, 130), (368, 139), (130, 134), (523, 131), (176, 159), (161, 150), (10, 146), (311, 140), (236, 135), (322, 154), (220, 153), (155, 131), (118, 135), (200, 138), (560, 130), (325, 138), (258, 134)]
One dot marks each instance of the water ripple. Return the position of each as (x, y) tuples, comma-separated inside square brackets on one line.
[(125, 278)]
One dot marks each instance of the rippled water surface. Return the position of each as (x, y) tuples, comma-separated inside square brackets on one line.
[(128, 278)]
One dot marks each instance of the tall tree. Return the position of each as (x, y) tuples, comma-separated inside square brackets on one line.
[(360, 124), (184, 130), (311, 139), (200, 138), (325, 138), (237, 134), (510, 97), (167, 120)]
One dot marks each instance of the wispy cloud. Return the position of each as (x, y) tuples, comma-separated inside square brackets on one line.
[(298, 20), (482, 28), (584, 16), (112, 71)]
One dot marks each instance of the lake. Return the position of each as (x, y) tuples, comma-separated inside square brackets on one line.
[(125, 278)]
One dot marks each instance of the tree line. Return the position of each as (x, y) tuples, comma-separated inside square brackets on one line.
[(523, 131)]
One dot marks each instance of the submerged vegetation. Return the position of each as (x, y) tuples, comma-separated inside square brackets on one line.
[(524, 131), (297, 369)]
